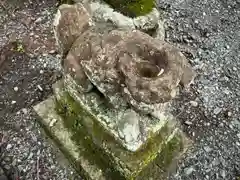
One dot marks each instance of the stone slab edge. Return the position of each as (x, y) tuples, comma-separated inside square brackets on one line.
[(102, 12), (53, 126), (150, 129)]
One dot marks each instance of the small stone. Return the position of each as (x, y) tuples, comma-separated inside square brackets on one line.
[(25, 111), (234, 68), (53, 121), (194, 103), (9, 146), (223, 173), (15, 89), (38, 20), (7, 167), (189, 170), (40, 88), (14, 102), (208, 124), (188, 123), (41, 72), (229, 114), (52, 52), (30, 155), (238, 143), (7, 159), (217, 110), (207, 149), (14, 163), (238, 135)]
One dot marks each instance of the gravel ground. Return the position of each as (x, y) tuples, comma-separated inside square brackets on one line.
[(28, 68), (209, 110), (207, 31)]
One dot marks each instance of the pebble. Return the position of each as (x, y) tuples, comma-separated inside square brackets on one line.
[(217, 110), (238, 135), (14, 102), (194, 103), (189, 170), (38, 20), (25, 111), (15, 89), (188, 123), (9, 146), (52, 52), (207, 149), (7, 167), (229, 114), (41, 71), (40, 88)]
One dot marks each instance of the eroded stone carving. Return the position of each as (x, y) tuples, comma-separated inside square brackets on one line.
[(128, 67)]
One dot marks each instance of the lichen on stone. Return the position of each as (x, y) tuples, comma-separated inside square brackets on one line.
[(131, 64), (132, 8), (129, 163)]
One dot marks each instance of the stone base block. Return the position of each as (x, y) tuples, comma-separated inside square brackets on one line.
[(94, 151)]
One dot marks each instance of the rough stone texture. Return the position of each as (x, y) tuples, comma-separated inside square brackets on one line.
[(62, 137), (131, 64), (113, 119), (113, 81), (69, 23), (102, 13), (93, 151)]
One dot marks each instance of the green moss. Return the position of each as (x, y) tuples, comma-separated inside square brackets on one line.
[(67, 109), (66, 2), (70, 158), (102, 148), (159, 168), (132, 8), (175, 145)]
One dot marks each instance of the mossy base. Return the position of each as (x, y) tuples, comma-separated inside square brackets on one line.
[(101, 157), (132, 8)]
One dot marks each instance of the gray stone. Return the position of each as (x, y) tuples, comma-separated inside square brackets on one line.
[(189, 170), (207, 149), (129, 128), (121, 158), (217, 110), (194, 103)]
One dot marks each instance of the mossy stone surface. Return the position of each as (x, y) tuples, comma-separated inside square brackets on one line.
[(66, 2), (132, 8), (109, 152), (88, 169), (93, 160)]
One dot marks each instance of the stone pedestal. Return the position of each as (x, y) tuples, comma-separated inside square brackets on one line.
[(88, 134), (109, 113)]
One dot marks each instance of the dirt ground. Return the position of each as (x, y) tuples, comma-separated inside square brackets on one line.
[(28, 68)]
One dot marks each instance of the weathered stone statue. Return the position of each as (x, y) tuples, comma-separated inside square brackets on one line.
[(110, 112), (121, 64)]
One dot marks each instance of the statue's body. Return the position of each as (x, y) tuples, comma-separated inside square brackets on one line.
[(143, 71)]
